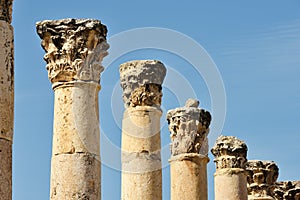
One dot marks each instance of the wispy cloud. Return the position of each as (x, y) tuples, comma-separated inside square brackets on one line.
[(273, 46)]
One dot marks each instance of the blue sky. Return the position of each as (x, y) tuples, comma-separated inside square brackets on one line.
[(255, 46)]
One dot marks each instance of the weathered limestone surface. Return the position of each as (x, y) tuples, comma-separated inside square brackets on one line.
[(230, 158), (189, 127), (6, 81), (287, 190), (141, 82), (6, 10), (76, 119), (188, 176), (74, 49), (261, 177), (5, 169), (6, 98), (74, 52), (141, 160), (75, 176)]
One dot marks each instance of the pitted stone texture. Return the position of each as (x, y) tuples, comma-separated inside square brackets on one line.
[(141, 129), (75, 177), (261, 177), (142, 186), (74, 48), (188, 176), (141, 159), (6, 10), (5, 169), (231, 185), (141, 82), (142, 162), (76, 119), (141, 142), (189, 127), (146, 95), (6, 81), (287, 190), (230, 177), (229, 152)]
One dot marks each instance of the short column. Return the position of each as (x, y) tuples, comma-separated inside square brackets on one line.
[(6, 98), (74, 51), (141, 159), (230, 177), (189, 127)]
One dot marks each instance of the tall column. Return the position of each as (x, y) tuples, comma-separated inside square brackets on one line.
[(261, 177), (6, 98), (74, 51), (287, 190), (230, 177), (141, 159), (189, 127)]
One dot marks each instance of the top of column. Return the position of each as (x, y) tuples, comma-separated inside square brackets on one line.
[(189, 126), (287, 190), (74, 49), (229, 152), (141, 82), (6, 10), (261, 177)]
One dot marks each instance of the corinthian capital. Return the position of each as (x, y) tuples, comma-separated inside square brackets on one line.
[(229, 152), (141, 82), (287, 190), (6, 10), (261, 177), (74, 48), (189, 127)]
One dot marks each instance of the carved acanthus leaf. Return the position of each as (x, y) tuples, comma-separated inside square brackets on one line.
[(189, 127), (74, 48), (6, 10), (229, 152), (261, 177), (141, 82)]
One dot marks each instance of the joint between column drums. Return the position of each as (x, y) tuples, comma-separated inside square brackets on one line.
[(57, 85), (230, 171), (194, 157)]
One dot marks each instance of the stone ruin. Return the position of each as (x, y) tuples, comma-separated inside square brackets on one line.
[(74, 52)]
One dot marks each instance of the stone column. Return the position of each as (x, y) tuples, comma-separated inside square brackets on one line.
[(189, 127), (261, 177), (287, 190), (74, 51), (141, 160), (230, 177), (6, 98)]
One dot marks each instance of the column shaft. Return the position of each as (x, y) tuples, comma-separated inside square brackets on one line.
[(141, 161), (6, 99), (188, 177), (75, 166), (230, 185), (5, 169)]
